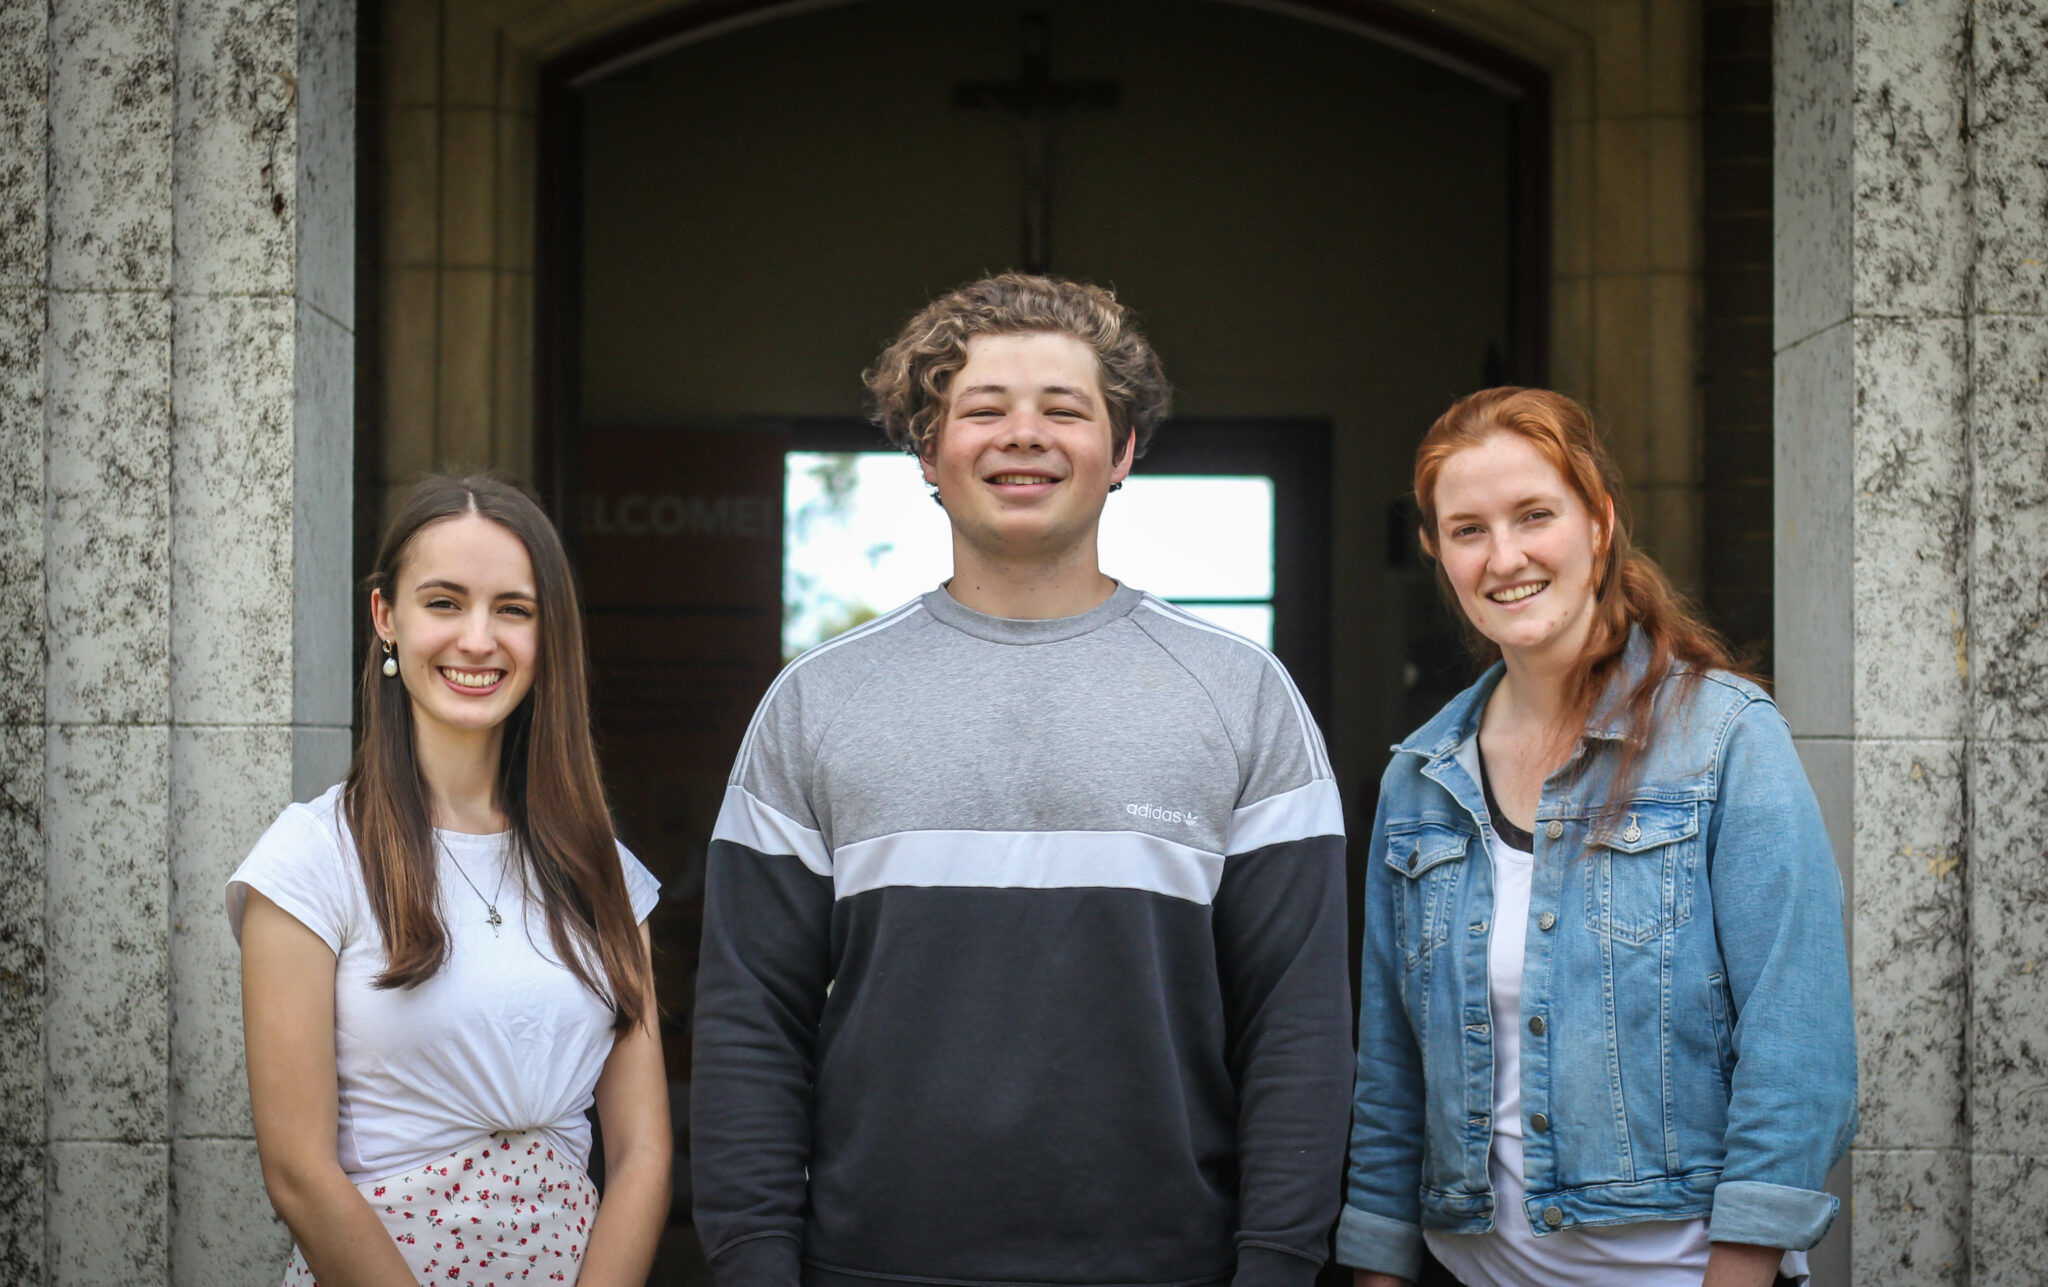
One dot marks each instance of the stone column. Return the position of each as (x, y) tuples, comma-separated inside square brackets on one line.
[(24, 130), (2007, 875), (176, 270), (1912, 226)]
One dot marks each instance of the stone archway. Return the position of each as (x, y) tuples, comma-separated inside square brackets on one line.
[(458, 148)]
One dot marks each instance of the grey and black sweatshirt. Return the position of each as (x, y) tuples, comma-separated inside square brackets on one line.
[(1023, 962)]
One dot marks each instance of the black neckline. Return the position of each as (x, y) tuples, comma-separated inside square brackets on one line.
[(1511, 835)]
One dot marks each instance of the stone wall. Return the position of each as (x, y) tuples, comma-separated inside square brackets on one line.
[(24, 294), (455, 240), (176, 352), (1911, 512)]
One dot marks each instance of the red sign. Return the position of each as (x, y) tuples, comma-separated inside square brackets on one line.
[(681, 554)]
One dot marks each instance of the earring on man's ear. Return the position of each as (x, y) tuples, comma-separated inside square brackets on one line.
[(390, 662), (937, 499), (1116, 487)]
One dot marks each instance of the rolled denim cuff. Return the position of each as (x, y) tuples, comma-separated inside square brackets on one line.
[(1771, 1215), (1379, 1243)]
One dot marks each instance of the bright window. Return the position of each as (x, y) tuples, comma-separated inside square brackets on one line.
[(861, 535)]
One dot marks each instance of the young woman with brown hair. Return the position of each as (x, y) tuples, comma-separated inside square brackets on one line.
[(444, 959), (1605, 1035)]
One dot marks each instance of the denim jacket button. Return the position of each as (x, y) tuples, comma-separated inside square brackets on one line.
[(1554, 830), (1536, 1025), (1553, 1216), (1546, 920), (1539, 1122)]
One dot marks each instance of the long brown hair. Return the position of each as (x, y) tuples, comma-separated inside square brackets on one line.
[(1631, 589), (548, 786)]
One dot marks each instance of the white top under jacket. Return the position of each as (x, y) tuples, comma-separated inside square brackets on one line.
[(1648, 1253)]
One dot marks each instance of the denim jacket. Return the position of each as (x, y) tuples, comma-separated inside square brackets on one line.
[(1687, 1036)]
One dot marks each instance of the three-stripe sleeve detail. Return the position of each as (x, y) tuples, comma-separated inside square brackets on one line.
[(882, 622), (1311, 736)]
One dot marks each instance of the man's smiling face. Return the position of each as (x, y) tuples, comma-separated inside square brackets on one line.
[(1022, 459)]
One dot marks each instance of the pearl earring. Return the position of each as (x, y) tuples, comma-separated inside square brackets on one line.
[(390, 662)]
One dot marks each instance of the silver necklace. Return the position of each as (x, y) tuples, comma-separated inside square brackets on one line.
[(491, 903)]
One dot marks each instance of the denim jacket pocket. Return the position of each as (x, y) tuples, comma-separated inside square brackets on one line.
[(1422, 854), (1724, 1037), (1639, 871)]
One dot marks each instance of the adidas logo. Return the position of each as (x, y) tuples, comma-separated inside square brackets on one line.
[(1159, 814)]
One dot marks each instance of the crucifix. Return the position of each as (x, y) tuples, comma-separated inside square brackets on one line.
[(1031, 100)]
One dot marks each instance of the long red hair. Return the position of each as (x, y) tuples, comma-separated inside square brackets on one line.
[(548, 786), (1631, 589)]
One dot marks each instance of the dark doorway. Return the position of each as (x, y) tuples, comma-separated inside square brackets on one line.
[(1330, 228)]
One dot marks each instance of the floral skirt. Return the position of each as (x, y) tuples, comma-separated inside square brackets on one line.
[(507, 1208)]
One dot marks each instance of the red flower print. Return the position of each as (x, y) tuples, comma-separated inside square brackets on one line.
[(521, 1220)]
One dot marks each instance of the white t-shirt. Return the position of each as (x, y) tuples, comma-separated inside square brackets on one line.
[(1647, 1253), (502, 1037)]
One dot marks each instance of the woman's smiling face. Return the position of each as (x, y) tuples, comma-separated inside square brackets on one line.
[(1520, 549), (466, 624)]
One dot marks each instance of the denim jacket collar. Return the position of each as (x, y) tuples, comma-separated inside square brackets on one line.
[(1458, 721)]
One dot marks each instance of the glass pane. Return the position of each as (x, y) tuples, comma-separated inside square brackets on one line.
[(1192, 536), (1253, 621), (860, 536)]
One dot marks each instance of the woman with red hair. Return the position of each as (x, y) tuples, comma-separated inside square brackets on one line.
[(1605, 1034)]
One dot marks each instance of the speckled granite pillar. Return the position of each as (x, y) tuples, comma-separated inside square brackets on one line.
[(2008, 1046), (24, 134), (1912, 508), (176, 356)]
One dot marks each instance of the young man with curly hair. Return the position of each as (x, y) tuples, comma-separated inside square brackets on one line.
[(1024, 916)]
